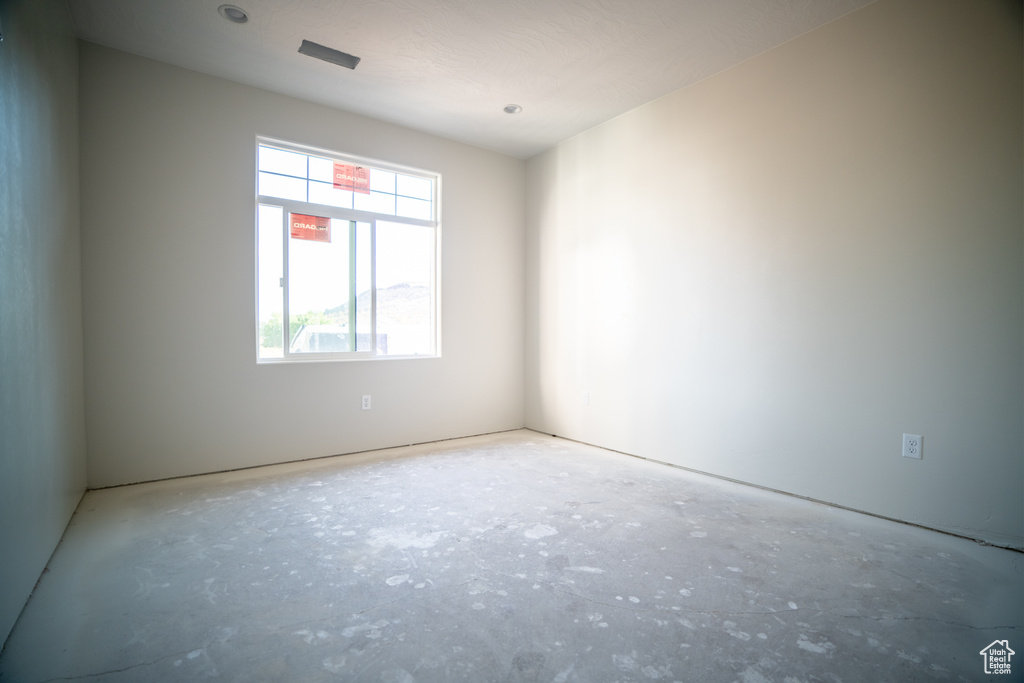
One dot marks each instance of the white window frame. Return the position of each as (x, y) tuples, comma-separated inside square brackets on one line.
[(353, 216)]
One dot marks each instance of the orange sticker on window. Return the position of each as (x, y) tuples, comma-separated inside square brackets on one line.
[(315, 228), (351, 178)]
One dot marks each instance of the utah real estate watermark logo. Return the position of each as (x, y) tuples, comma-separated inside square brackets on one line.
[(997, 657)]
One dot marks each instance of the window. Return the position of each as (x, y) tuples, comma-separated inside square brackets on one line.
[(346, 256)]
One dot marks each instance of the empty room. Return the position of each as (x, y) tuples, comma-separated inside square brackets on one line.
[(544, 340)]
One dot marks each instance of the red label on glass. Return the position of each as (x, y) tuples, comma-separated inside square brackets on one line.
[(315, 228), (352, 178)]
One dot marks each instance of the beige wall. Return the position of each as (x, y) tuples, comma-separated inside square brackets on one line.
[(772, 274), (168, 274), (42, 425)]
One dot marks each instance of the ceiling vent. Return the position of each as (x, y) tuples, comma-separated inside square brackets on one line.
[(327, 54)]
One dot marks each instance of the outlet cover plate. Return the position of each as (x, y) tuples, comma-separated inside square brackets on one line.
[(912, 446)]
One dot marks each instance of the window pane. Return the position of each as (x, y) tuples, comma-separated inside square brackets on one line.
[(318, 292), (376, 202), (321, 169), (282, 186), (405, 293), (324, 193), (285, 163), (417, 188), (382, 181), (269, 271), (413, 208)]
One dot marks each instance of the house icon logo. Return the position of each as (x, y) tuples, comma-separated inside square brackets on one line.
[(997, 657)]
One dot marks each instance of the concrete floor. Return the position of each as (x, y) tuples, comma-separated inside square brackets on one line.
[(510, 557)]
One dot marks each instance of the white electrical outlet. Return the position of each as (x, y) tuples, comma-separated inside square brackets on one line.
[(366, 401), (912, 446), (586, 398)]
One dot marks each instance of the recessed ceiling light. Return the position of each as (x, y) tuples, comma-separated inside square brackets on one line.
[(233, 14), (512, 109)]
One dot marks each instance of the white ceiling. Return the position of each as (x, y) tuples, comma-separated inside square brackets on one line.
[(448, 67)]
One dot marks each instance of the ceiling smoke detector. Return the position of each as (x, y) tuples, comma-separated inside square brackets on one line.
[(233, 14), (328, 54), (512, 109)]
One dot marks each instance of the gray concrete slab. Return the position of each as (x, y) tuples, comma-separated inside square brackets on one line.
[(509, 557)]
